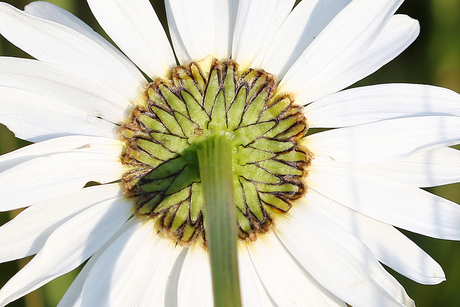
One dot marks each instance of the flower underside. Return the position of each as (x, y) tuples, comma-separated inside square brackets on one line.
[(262, 126)]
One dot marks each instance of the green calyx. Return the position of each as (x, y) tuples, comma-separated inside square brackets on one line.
[(262, 127)]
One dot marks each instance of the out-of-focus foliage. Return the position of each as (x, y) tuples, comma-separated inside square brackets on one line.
[(434, 58)]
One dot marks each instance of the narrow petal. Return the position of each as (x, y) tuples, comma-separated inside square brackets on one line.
[(340, 262), (341, 42), (35, 118), (136, 29), (132, 271), (385, 141), (256, 25), (180, 49), (253, 293), (427, 168), (68, 247), (299, 29), (286, 283), (73, 297), (58, 83), (53, 42), (74, 143), (45, 178), (205, 27), (398, 34), (196, 267), (373, 103), (386, 200), (389, 245), (26, 234)]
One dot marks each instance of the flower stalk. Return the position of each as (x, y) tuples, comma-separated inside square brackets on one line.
[(215, 162)]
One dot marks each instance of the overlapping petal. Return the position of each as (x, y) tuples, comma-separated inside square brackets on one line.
[(203, 28), (70, 88), (135, 28), (133, 271), (380, 141), (256, 25), (26, 234), (341, 42), (56, 175), (57, 43), (386, 200), (68, 246), (373, 103)]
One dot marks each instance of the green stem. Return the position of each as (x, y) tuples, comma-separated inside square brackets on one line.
[(215, 161)]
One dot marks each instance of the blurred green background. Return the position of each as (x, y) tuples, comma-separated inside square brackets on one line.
[(434, 58)]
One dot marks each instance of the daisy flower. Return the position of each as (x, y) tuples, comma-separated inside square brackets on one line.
[(115, 178)]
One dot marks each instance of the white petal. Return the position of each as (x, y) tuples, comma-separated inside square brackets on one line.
[(253, 293), (135, 28), (256, 25), (133, 271), (341, 42), (286, 283), (427, 168), (58, 83), (205, 27), (387, 200), (45, 178), (385, 141), (69, 144), (195, 281), (68, 247), (26, 234), (299, 29), (398, 34), (36, 118), (52, 12), (56, 43), (179, 46), (72, 297), (339, 262), (389, 245), (378, 102)]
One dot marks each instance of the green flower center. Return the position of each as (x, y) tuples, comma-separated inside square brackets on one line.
[(262, 125)]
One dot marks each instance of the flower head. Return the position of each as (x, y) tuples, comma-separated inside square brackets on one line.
[(316, 213)]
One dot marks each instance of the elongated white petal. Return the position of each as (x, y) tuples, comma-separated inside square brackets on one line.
[(56, 43), (26, 234), (195, 282), (205, 27), (36, 118), (179, 46), (253, 293), (379, 102), (45, 178), (389, 245), (73, 297), (299, 29), (68, 87), (387, 200), (340, 262), (398, 34), (132, 271), (73, 143), (68, 247), (427, 168), (52, 12), (135, 28), (386, 141), (256, 25), (341, 42), (286, 283)]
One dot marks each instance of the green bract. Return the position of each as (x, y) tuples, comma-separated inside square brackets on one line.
[(262, 126)]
